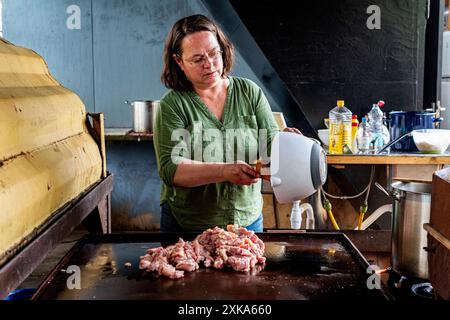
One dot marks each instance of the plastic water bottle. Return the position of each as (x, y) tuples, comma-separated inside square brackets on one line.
[(386, 133), (340, 125), (296, 215), (379, 138), (364, 136)]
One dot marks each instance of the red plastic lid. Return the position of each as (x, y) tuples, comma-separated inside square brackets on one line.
[(354, 116), (380, 103)]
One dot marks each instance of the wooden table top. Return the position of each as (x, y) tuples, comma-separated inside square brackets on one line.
[(392, 158), (125, 134)]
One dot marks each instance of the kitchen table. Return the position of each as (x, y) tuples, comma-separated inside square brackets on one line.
[(412, 166)]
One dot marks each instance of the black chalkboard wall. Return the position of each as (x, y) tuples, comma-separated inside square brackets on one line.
[(323, 51)]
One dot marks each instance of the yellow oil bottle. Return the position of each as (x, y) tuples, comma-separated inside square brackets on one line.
[(340, 128)]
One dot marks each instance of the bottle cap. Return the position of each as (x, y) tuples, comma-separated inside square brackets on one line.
[(340, 103), (355, 116), (380, 103)]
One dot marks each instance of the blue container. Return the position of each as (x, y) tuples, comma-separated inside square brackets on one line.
[(402, 122)]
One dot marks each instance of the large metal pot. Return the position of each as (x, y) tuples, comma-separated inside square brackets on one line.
[(411, 209), (402, 122), (142, 114)]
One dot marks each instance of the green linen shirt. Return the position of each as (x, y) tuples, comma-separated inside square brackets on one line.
[(185, 128)]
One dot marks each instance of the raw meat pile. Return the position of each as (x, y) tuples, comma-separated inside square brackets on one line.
[(237, 248)]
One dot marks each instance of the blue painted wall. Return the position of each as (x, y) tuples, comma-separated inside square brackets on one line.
[(114, 56), (135, 198), (41, 26)]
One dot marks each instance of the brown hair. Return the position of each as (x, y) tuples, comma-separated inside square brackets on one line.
[(172, 76)]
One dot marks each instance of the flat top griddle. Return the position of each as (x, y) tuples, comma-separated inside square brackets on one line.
[(302, 266)]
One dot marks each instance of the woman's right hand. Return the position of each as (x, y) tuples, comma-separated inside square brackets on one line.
[(240, 172)]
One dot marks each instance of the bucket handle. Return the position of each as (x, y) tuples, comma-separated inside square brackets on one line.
[(393, 194)]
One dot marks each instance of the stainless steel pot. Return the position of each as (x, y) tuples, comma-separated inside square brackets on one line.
[(411, 209), (142, 114)]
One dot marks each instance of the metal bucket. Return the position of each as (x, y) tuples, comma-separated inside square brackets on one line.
[(411, 209), (142, 114)]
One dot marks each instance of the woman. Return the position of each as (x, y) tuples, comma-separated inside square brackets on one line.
[(204, 183)]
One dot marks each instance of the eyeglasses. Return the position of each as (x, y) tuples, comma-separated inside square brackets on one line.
[(213, 56)]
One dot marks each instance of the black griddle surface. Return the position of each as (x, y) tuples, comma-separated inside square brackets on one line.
[(302, 266)]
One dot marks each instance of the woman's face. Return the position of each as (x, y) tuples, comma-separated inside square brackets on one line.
[(201, 59)]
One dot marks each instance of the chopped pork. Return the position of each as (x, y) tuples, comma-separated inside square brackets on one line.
[(237, 248)]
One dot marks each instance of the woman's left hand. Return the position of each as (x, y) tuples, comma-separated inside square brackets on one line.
[(294, 130)]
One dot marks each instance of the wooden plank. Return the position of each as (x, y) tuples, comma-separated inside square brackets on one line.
[(269, 211), (437, 235), (283, 214), (98, 120), (439, 267), (413, 172), (440, 202), (435, 159)]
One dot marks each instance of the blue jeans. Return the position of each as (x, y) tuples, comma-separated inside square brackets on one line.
[(170, 224), (168, 221)]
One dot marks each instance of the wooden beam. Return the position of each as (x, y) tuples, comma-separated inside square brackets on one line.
[(97, 130)]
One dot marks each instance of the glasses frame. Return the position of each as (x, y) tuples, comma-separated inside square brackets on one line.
[(213, 56)]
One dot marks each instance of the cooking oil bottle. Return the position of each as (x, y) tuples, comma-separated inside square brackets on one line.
[(340, 128)]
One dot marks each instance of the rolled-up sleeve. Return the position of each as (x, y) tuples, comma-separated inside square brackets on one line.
[(166, 122)]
